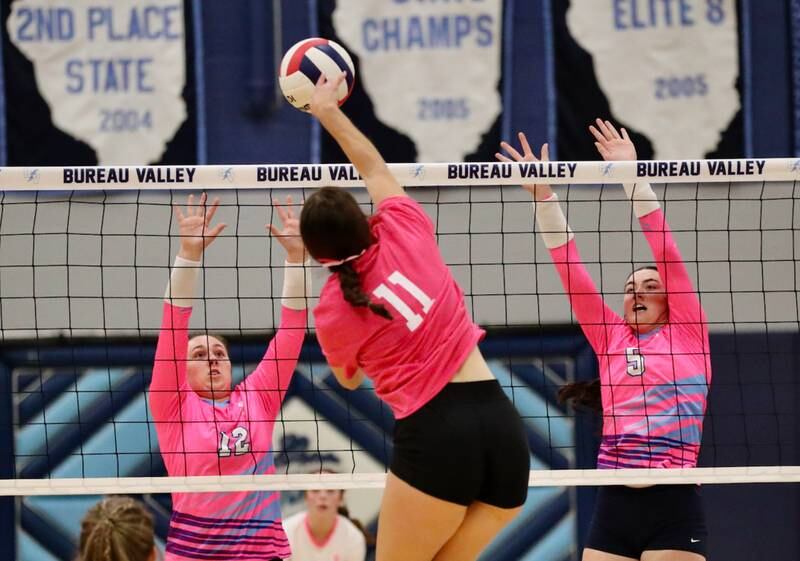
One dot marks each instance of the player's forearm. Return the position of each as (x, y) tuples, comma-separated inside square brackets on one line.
[(357, 147), (552, 223), (296, 285), (667, 255), (643, 198), (169, 367), (349, 383), (182, 281), (278, 364)]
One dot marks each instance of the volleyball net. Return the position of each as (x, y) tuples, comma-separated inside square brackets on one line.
[(85, 255)]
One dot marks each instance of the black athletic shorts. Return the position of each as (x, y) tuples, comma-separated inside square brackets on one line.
[(466, 444), (629, 521)]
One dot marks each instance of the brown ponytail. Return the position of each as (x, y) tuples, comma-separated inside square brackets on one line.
[(117, 529), (582, 395), (353, 293), (368, 536), (334, 227)]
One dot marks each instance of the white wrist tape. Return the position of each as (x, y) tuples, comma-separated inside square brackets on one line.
[(552, 222), (643, 197), (296, 285), (182, 281)]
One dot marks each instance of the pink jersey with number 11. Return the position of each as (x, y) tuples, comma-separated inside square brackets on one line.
[(413, 356), (654, 386)]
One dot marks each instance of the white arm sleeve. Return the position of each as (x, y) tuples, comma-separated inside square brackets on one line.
[(643, 197), (552, 222), (182, 281), (296, 285)]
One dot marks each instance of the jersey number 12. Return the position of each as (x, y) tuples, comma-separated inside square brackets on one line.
[(413, 319), (241, 445)]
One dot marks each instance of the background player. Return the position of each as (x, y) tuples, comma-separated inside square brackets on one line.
[(324, 531), (207, 428), (117, 529), (654, 374)]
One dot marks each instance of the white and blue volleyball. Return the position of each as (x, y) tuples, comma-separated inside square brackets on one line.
[(305, 62)]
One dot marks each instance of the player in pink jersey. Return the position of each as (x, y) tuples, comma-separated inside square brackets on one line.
[(204, 426), (654, 367), (392, 311)]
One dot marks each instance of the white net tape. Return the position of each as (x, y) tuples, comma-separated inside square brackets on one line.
[(411, 175), (538, 478)]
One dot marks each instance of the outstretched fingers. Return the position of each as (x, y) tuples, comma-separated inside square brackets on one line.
[(527, 153), (526, 148), (511, 150), (334, 82), (212, 234), (598, 136), (613, 130), (212, 210)]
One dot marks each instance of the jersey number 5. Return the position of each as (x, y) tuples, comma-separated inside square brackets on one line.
[(635, 361), (241, 445), (413, 319)]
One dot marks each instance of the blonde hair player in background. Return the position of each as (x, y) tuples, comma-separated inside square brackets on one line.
[(117, 529)]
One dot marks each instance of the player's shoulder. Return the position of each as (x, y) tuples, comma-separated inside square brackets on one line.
[(331, 305), (350, 529), (292, 522), (330, 288)]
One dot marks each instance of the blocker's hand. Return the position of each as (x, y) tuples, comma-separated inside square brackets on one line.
[(288, 236), (194, 225), (612, 146)]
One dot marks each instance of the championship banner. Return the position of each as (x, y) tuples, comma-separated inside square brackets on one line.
[(668, 69), (111, 72), (431, 69)]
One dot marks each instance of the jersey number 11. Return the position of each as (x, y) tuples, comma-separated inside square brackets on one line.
[(413, 319)]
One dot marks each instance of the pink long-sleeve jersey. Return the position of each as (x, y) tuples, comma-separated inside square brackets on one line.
[(198, 437), (654, 386)]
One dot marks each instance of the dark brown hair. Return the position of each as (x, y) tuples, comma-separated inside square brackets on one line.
[(219, 338), (334, 227), (117, 529), (582, 395), (645, 268), (369, 538)]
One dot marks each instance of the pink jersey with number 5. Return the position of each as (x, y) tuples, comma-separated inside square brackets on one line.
[(413, 356), (654, 386)]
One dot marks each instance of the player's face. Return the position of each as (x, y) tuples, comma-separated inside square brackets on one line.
[(208, 368), (324, 501), (645, 301)]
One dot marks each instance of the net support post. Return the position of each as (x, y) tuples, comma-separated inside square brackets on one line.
[(8, 529)]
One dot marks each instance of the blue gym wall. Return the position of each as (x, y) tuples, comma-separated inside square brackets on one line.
[(752, 420)]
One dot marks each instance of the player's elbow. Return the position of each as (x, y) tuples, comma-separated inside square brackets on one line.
[(348, 382)]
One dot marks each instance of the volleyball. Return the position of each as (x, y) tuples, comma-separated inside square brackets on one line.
[(303, 64)]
